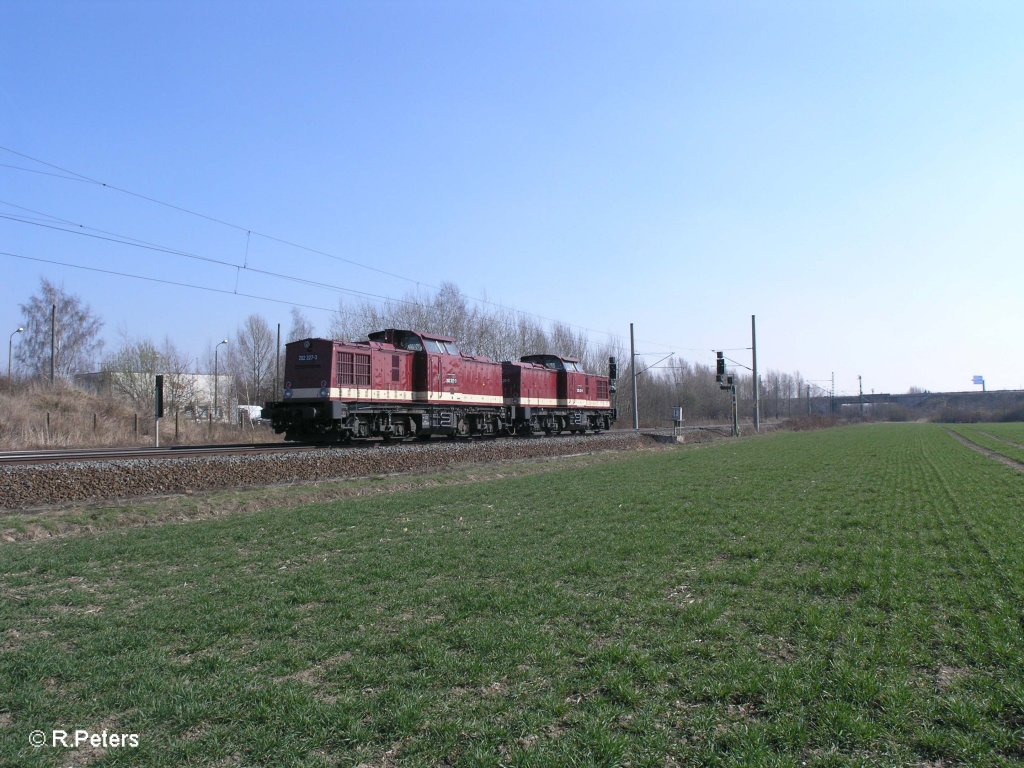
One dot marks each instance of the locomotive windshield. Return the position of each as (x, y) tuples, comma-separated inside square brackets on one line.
[(554, 363), (410, 341), (441, 347), (412, 344)]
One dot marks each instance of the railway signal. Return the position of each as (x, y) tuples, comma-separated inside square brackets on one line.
[(728, 381), (158, 402), (159, 398)]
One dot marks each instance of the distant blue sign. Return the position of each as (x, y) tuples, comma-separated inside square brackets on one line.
[(979, 379)]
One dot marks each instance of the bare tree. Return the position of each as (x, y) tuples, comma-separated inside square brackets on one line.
[(76, 339), (132, 370), (301, 327), (251, 360)]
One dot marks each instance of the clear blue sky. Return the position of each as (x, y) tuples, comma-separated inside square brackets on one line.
[(850, 172)]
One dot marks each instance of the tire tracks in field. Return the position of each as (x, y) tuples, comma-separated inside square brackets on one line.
[(970, 524), (1003, 440), (1001, 458)]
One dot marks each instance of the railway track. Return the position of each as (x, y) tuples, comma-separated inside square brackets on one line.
[(76, 455), (72, 455)]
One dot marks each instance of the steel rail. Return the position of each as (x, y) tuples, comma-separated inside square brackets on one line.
[(71, 455)]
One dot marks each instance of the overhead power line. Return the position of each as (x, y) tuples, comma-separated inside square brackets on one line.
[(71, 175), (74, 175), (163, 281), (123, 240)]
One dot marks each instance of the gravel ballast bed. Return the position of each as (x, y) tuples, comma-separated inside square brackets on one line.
[(48, 484)]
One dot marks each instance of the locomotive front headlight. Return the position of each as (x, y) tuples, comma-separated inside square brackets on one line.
[(324, 392), (288, 394)]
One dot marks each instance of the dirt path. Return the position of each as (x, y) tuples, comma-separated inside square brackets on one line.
[(1018, 465)]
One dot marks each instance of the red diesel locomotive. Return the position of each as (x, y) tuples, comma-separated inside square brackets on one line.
[(400, 384)]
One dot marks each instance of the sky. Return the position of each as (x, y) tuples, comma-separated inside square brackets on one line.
[(852, 173)]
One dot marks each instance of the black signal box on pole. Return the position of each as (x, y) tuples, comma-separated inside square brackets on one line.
[(159, 397)]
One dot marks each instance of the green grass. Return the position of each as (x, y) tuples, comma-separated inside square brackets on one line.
[(1010, 430), (76, 519), (845, 597)]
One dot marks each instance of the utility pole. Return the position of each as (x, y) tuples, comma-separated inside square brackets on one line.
[(632, 369), (757, 399), (860, 387), (832, 396), (53, 339), (735, 412), (277, 363), (808, 399)]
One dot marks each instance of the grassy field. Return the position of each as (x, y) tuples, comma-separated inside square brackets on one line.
[(846, 597)]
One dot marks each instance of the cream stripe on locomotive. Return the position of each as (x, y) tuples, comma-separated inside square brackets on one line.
[(460, 397), (532, 402), (352, 393), (585, 403), (365, 393), (405, 395)]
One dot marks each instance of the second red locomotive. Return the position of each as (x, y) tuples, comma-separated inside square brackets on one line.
[(400, 384)]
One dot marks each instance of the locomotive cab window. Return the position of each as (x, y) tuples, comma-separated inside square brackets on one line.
[(410, 342), (441, 347)]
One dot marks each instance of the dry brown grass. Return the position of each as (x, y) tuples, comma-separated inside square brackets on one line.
[(35, 415)]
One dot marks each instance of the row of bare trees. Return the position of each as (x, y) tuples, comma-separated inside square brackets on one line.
[(505, 334), (247, 364), (499, 333), (692, 386)]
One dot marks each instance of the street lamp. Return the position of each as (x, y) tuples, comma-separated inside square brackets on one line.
[(216, 378), (10, 347)]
